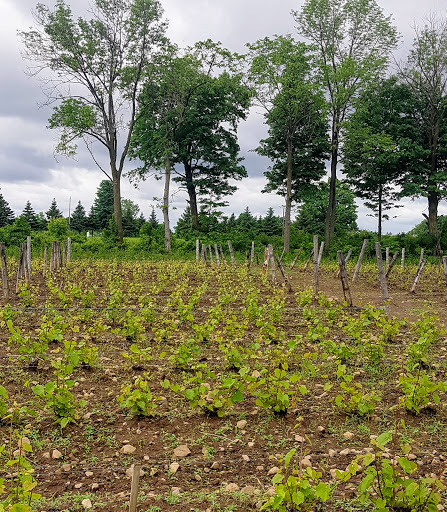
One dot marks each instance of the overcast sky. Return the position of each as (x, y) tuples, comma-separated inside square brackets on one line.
[(30, 171)]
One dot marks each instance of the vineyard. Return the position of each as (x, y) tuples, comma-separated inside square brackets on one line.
[(229, 391)]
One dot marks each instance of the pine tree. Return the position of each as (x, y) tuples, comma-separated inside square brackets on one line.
[(103, 204), (153, 218), (53, 212), (30, 216), (6, 214), (78, 221)]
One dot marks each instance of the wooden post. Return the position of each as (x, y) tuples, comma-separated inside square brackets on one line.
[(45, 258), (344, 278), (316, 259), (444, 261), (203, 257), (21, 270), (387, 257), (28, 256), (282, 254), (402, 261), (222, 255), (393, 261), (68, 250), (5, 285), (418, 275), (216, 250), (296, 258), (382, 280), (230, 248), (308, 259), (197, 250), (211, 254), (252, 257), (284, 275), (63, 253), (359, 261), (272, 262), (265, 267), (134, 488), (422, 256), (345, 260), (247, 258), (320, 254)]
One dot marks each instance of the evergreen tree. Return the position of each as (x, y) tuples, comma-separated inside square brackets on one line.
[(246, 222), (30, 216), (130, 211), (102, 208), (78, 221), (153, 218), (271, 224), (53, 212), (6, 214)]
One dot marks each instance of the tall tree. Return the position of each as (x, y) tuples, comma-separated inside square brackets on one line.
[(381, 145), (78, 221), (96, 67), (210, 100), (353, 40), (282, 72), (103, 205), (6, 214), (53, 212), (30, 216), (131, 225), (426, 73)]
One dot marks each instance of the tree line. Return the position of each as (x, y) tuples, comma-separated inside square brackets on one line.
[(175, 111)]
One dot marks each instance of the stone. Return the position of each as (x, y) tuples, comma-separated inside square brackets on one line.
[(46, 455), (345, 452), (88, 474), (250, 444), (333, 473), (174, 467), (176, 491), (273, 471), (305, 463), (260, 468), (66, 468), (182, 451), (216, 465), (23, 441), (348, 435), (332, 453), (241, 424), (129, 471), (56, 454), (128, 448), (78, 486), (198, 478), (86, 503), (411, 456), (299, 439), (249, 489), (95, 486), (231, 487), (246, 458), (321, 429)]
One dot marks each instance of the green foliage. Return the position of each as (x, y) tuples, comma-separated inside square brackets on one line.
[(15, 233), (353, 399), (53, 212), (297, 488), (419, 390), (32, 350), (58, 229), (138, 398), (6, 214), (3, 402)]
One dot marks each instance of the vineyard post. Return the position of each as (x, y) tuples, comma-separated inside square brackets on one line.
[(247, 258), (4, 271), (222, 255), (359, 261), (271, 259), (346, 261), (216, 250), (444, 261), (296, 258), (52, 257), (265, 267), (320, 254), (418, 275), (393, 261), (252, 257), (316, 261), (422, 256), (387, 257), (308, 259), (344, 278), (134, 488), (282, 254), (45, 258), (203, 257), (230, 247), (68, 250), (22, 265), (197, 249), (63, 253), (28, 256), (402, 262), (211, 254), (382, 279)]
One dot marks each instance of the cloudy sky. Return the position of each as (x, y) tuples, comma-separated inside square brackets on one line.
[(30, 171)]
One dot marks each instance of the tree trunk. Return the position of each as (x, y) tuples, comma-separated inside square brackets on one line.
[(117, 212), (288, 195), (379, 227), (433, 199), (191, 189), (166, 203), (329, 228)]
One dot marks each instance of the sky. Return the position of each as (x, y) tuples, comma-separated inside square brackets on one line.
[(29, 169)]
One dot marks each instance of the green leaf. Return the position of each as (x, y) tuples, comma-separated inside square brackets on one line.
[(323, 491), (384, 438), (407, 465)]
